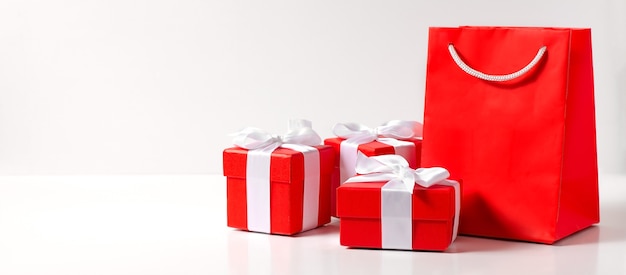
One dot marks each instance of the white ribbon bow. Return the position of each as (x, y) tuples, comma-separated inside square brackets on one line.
[(260, 144), (300, 132), (397, 129), (396, 168)]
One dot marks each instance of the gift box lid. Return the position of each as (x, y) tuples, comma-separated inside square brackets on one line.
[(373, 148), (363, 200), (286, 165), (370, 149)]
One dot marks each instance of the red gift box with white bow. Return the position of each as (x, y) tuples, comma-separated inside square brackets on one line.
[(397, 137), (278, 185), (392, 206)]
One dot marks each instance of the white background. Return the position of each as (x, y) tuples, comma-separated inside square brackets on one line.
[(154, 87)]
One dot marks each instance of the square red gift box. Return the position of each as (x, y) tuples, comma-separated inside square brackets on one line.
[(395, 137), (281, 189), (385, 214)]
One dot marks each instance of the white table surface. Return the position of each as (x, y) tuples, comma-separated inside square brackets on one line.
[(177, 225)]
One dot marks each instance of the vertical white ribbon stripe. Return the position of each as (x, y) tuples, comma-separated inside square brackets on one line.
[(310, 201), (402, 148), (396, 216), (457, 204), (347, 159), (258, 187), (258, 190)]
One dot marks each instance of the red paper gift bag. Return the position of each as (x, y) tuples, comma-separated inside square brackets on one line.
[(510, 111)]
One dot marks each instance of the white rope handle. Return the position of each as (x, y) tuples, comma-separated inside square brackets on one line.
[(497, 78)]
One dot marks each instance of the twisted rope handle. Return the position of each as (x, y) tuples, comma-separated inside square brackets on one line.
[(496, 78)]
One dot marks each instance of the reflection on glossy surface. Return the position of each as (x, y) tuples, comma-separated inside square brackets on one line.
[(302, 254), (599, 249), (176, 225), (318, 251)]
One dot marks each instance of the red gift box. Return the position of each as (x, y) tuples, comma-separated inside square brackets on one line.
[(391, 206), (410, 149), (359, 210), (287, 176)]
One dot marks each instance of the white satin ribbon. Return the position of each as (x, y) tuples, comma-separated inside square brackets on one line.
[(391, 133), (260, 144), (396, 194)]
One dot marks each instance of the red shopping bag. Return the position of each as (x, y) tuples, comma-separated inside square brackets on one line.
[(510, 111)]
